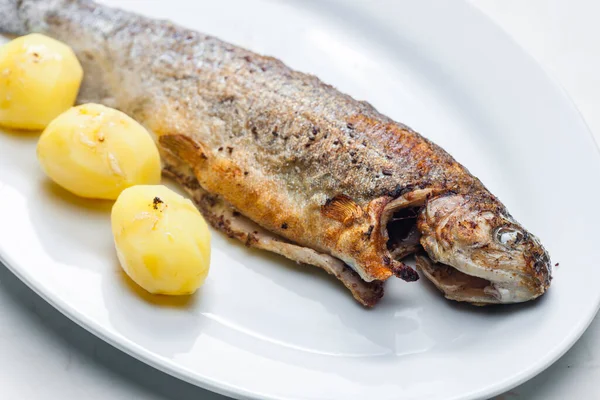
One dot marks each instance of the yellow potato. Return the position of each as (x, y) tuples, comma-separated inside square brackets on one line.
[(162, 241), (96, 152), (39, 79)]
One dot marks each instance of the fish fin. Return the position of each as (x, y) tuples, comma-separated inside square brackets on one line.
[(185, 148), (404, 272), (342, 208)]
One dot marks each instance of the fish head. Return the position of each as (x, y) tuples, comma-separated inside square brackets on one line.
[(476, 252)]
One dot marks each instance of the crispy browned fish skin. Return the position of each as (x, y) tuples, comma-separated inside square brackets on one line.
[(291, 153), (225, 218)]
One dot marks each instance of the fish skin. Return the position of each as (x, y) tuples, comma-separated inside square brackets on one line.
[(235, 225), (289, 152)]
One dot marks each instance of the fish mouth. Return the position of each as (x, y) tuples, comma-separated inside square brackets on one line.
[(460, 286)]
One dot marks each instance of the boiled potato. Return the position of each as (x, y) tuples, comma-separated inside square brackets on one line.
[(39, 79), (96, 152), (162, 241)]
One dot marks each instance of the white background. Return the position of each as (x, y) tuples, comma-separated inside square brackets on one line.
[(45, 356)]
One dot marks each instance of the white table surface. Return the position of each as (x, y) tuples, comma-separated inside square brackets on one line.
[(43, 355)]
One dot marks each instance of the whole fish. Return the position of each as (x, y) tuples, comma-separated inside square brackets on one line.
[(286, 163)]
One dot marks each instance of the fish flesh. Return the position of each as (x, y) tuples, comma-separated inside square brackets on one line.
[(288, 164)]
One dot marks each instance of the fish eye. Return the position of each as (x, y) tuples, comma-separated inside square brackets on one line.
[(508, 236)]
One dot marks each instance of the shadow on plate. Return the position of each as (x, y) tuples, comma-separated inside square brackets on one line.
[(59, 218), (157, 300), (167, 324), (21, 134)]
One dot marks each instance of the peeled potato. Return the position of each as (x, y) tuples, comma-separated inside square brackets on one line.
[(96, 152), (162, 241), (39, 79)]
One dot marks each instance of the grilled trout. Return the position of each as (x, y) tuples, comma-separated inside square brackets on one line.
[(286, 163)]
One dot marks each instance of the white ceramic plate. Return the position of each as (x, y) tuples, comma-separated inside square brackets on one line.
[(263, 327)]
